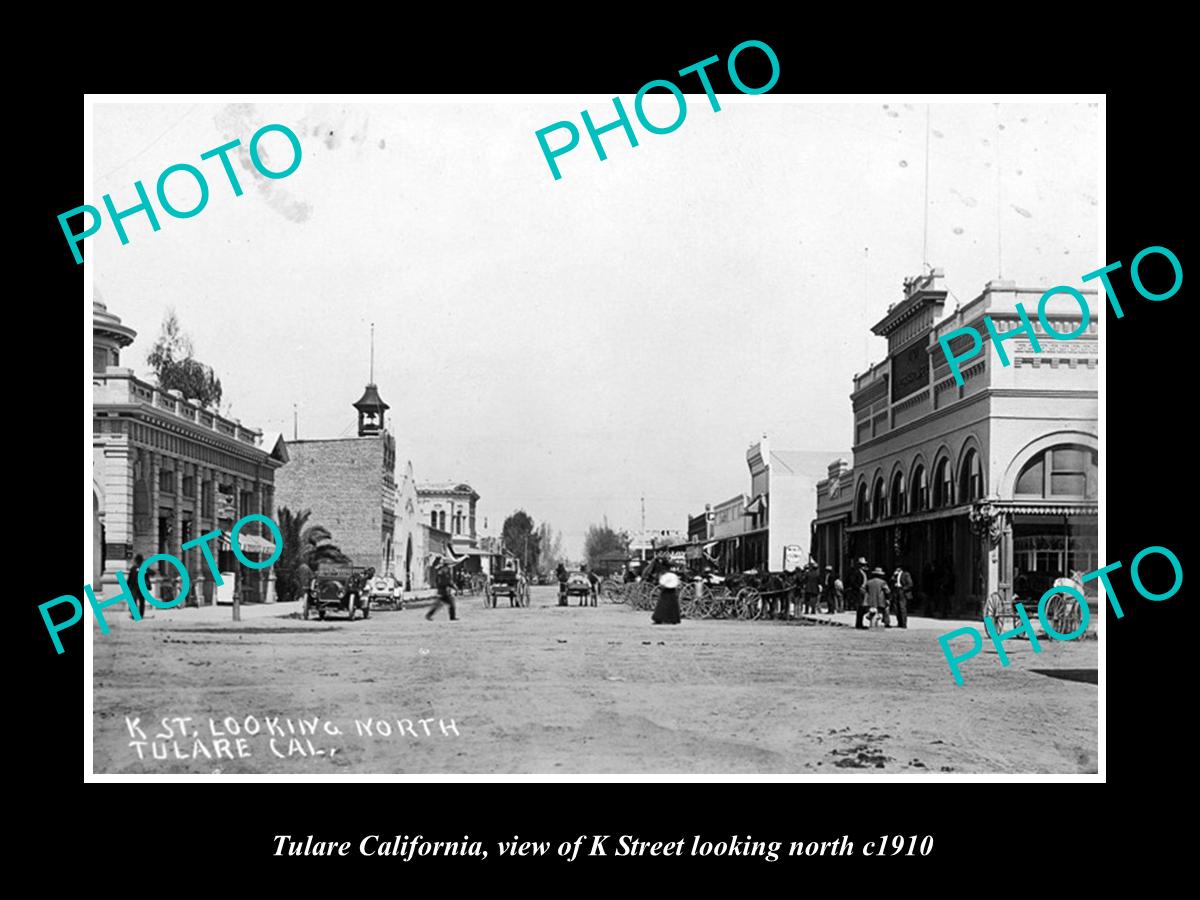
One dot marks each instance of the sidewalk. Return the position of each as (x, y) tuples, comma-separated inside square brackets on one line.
[(915, 623), (224, 612)]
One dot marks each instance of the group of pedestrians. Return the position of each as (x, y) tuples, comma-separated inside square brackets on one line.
[(874, 595)]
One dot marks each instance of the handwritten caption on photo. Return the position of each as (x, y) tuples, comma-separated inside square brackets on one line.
[(185, 581), (407, 848), (190, 738), (622, 120), (956, 661)]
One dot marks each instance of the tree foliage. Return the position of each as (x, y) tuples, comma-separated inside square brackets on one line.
[(603, 541), (176, 368), (520, 538), (549, 548), (302, 543)]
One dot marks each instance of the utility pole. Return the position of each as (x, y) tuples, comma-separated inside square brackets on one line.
[(295, 423), (643, 512)]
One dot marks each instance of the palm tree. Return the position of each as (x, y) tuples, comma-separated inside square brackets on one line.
[(302, 543)]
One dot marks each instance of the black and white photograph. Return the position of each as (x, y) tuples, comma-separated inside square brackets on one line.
[(456, 435)]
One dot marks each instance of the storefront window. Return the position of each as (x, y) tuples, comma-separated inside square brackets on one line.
[(861, 513)]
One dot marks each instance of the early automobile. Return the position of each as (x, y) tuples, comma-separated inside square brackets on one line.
[(341, 589), (385, 591)]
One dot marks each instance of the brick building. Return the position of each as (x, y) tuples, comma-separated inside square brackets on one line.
[(349, 484)]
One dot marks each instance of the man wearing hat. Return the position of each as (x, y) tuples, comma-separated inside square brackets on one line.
[(876, 596), (856, 584), (827, 589)]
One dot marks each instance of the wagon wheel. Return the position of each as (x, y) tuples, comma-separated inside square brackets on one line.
[(1065, 615), (687, 601), (748, 604), (994, 607), (718, 598)]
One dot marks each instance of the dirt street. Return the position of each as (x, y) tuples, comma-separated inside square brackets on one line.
[(552, 690)]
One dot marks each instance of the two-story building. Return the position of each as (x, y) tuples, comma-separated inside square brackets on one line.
[(450, 507), (967, 485), (167, 469)]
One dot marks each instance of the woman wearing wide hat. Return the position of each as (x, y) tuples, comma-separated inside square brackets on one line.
[(667, 610)]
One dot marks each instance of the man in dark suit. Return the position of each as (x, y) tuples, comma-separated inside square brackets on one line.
[(136, 587), (443, 581), (902, 589), (856, 584), (875, 595)]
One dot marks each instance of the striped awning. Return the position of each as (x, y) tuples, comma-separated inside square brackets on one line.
[(249, 543)]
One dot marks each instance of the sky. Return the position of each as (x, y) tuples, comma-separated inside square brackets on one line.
[(569, 347)]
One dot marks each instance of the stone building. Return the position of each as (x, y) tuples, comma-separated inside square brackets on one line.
[(350, 486), (167, 470), (969, 484)]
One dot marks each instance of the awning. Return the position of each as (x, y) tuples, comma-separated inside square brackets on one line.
[(249, 543), (757, 505)]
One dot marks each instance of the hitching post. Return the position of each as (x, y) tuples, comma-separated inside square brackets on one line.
[(237, 594)]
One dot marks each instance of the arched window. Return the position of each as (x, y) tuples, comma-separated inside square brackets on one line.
[(942, 495), (970, 479), (442, 519), (896, 500), (1065, 471), (920, 490), (861, 512), (433, 519), (877, 496)]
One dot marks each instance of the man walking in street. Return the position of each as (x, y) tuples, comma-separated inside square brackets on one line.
[(856, 584), (442, 579), (902, 588), (876, 595)]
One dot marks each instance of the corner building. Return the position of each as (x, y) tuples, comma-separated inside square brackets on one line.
[(968, 484), (167, 470)]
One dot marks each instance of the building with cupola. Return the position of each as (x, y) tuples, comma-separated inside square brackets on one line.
[(349, 484), (167, 469)]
